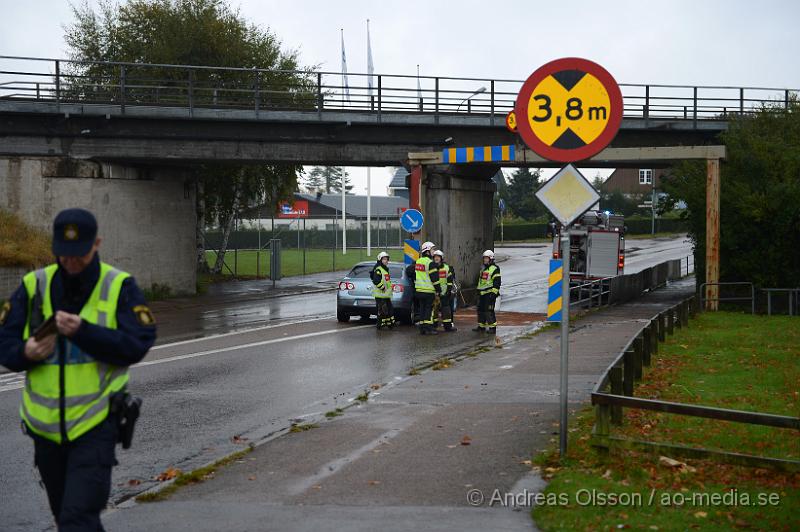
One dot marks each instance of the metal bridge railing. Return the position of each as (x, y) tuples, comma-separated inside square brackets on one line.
[(28, 79)]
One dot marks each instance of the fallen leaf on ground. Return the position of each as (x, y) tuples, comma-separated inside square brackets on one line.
[(607, 474), (700, 514), (251, 477), (134, 482), (526, 462), (466, 440), (374, 482), (375, 386), (168, 474), (238, 439)]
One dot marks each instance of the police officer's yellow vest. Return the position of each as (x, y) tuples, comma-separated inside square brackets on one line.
[(88, 383), (384, 288), (444, 277), (486, 280), (422, 278)]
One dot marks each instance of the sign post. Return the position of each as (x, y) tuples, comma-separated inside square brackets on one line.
[(501, 205), (568, 110)]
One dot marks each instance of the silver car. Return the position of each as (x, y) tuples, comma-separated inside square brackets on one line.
[(354, 295)]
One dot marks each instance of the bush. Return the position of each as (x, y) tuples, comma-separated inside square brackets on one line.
[(21, 245)]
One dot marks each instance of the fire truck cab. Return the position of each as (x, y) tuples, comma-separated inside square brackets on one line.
[(597, 246)]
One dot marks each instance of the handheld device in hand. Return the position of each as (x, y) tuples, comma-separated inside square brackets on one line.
[(45, 329)]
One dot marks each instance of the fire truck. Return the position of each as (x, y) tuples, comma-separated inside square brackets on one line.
[(597, 246)]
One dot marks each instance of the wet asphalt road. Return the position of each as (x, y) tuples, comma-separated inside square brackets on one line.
[(199, 394)]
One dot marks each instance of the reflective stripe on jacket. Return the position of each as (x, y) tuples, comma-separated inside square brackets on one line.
[(422, 275), (384, 288), (87, 382), (489, 280)]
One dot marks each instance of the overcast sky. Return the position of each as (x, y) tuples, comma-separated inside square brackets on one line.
[(734, 43)]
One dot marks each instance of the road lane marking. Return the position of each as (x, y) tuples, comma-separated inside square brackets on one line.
[(247, 346), (238, 331), (18, 381)]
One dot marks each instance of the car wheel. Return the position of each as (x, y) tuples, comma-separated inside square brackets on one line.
[(343, 317)]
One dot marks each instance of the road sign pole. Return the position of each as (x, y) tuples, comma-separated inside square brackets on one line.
[(564, 387)]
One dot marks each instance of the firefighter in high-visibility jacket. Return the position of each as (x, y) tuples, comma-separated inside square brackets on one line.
[(382, 291), (74, 327), (488, 291), (444, 303), (426, 288)]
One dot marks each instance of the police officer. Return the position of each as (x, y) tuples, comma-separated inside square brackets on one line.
[(382, 291), (426, 288), (488, 290), (447, 283), (92, 323)]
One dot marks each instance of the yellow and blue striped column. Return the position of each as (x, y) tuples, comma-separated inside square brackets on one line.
[(411, 251), (555, 290)]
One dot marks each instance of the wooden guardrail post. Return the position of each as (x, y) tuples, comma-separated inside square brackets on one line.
[(662, 332), (601, 425), (638, 357), (678, 311), (692, 307), (615, 377), (628, 370), (647, 337), (671, 321), (685, 305)]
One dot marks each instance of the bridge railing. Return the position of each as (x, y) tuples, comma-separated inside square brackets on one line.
[(192, 87)]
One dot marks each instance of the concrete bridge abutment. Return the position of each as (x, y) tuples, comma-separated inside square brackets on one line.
[(146, 215), (458, 203)]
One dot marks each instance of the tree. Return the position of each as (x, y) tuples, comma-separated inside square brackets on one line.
[(597, 182), (328, 178), (191, 32), (759, 199), (519, 194)]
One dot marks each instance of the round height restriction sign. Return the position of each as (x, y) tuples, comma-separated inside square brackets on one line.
[(569, 110)]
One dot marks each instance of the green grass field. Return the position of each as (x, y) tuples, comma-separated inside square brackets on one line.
[(243, 262), (722, 359)]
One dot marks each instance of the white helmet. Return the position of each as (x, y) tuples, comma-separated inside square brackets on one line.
[(427, 246), (382, 254), (439, 253), (489, 253)]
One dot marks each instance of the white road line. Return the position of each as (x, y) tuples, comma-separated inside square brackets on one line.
[(20, 378), (233, 333)]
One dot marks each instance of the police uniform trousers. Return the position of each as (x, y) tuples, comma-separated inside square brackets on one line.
[(425, 309), (77, 476), (486, 316)]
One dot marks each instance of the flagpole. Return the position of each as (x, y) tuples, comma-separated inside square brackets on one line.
[(344, 216), (369, 176)]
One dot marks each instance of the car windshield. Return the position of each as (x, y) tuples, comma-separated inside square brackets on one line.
[(362, 271)]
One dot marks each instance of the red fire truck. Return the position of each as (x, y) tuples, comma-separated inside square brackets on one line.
[(597, 246)]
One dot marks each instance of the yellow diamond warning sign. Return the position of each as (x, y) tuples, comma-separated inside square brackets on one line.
[(569, 110), (567, 195)]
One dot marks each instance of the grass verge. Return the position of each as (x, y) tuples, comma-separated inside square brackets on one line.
[(195, 477), (722, 359), (243, 262)]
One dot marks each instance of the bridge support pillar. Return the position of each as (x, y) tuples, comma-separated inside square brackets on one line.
[(457, 202), (146, 215)]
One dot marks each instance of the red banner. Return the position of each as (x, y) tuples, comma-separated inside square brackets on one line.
[(297, 210)]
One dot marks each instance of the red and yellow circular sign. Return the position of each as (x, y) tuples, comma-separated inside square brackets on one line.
[(569, 110), (511, 121)]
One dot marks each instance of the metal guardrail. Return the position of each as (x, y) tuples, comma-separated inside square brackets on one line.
[(33, 79), (615, 391), (794, 295), (752, 298), (595, 290)]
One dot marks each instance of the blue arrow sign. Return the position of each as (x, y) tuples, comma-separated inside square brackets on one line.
[(502, 205), (411, 220)]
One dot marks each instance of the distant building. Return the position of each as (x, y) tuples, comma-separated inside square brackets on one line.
[(397, 186), (324, 211), (633, 182)]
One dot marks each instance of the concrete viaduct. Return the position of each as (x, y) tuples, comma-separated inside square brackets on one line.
[(127, 154)]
